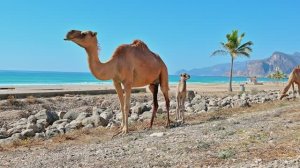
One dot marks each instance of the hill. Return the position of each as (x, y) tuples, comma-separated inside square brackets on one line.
[(261, 68)]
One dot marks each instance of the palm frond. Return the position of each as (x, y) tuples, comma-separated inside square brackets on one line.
[(247, 44), (243, 53), (219, 52)]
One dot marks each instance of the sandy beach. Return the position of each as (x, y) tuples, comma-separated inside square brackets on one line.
[(77, 89)]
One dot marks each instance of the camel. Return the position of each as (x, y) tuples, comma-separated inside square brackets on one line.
[(181, 95), (131, 65), (293, 78)]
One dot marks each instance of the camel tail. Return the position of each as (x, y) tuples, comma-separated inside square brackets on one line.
[(288, 85)]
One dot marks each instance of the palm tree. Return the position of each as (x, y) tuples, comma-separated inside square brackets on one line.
[(234, 48), (277, 75)]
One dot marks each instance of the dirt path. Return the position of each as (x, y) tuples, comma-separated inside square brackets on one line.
[(263, 135)]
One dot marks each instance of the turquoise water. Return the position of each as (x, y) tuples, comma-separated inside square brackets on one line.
[(65, 78)]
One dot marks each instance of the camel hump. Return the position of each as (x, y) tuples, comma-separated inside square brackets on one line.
[(139, 44)]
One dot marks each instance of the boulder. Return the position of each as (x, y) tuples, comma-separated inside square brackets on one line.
[(200, 106), (107, 115), (32, 119), (71, 115), (48, 115), (82, 116), (105, 104), (190, 95), (28, 133), (33, 126), (41, 135), (52, 132), (213, 102), (17, 136)]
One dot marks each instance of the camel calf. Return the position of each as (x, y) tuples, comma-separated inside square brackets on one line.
[(181, 95), (293, 78)]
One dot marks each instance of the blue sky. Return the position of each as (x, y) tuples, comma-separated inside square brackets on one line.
[(183, 33)]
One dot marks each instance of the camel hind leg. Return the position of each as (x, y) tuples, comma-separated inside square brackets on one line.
[(154, 89), (178, 107), (164, 86)]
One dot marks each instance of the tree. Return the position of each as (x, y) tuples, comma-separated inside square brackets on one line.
[(277, 74), (234, 48)]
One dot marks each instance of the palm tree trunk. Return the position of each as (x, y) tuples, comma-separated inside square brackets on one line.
[(230, 78)]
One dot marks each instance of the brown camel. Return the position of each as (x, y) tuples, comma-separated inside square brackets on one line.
[(293, 78), (181, 95), (131, 65)]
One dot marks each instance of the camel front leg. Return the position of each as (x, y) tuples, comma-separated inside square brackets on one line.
[(286, 88), (178, 108), (119, 91), (182, 109), (127, 88), (294, 96), (298, 89)]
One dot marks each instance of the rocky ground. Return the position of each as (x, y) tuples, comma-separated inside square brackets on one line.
[(239, 130)]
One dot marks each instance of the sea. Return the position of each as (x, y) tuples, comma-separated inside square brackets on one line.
[(14, 78)]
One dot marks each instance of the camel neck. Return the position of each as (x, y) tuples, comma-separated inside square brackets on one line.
[(102, 71), (182, 85)]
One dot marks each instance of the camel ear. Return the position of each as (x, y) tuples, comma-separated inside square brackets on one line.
[(94, 33)]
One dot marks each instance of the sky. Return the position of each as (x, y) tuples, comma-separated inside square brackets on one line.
[(183, 32)]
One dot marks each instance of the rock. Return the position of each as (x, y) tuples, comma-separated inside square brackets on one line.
[(17, 136), (224, 102), (146, 115), (213, 103), (200, 106), (28, 133), (190, 95), (244, 96), (105, 104), (52, 132), (32, 119), (87, 127), (61, 114), (157, 134), (41, 135), (146, 107), (113, 123), (48, 115), (137, 108), (212, 109), (134, 117), (160, 110), (17, 129), (60, 122), (71, 115), (119, 116), (41, 125), (242, 103), (173, 104), (190, 109), (95, 121), (82, 116), (33, 126), (186, 105), (22, 121), (107, 115)]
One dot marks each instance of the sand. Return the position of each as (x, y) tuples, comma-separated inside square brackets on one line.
[(78, 89)]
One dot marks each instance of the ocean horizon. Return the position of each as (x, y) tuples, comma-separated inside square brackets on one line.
[(17, 77)]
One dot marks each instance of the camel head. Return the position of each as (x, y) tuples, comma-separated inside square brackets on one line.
[(84, 39), (184, 76)]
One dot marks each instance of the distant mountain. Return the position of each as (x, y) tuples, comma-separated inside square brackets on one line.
[(260, 68)]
